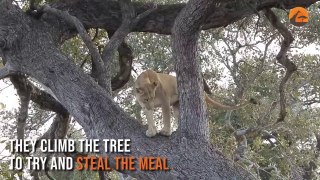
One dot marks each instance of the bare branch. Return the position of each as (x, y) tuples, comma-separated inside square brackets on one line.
[(84, 61), (24, 95), (282, 59), (241, 134), (185, 34), (96, 33), (219, 17)]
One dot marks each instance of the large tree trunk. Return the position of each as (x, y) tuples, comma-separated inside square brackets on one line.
[(31, 47), (193, 121)]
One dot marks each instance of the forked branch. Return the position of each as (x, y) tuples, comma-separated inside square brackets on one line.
[(42, 98), (96, 58), (282, 58)]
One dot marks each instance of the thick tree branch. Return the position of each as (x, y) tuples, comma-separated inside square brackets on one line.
[(58, 130), (27, 91), (23, 112), (107, 14), (125, 63), (42, 98), (98, 64), (282, 59), (185, 34)]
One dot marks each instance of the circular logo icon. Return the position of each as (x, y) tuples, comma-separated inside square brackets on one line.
[(299, 16)]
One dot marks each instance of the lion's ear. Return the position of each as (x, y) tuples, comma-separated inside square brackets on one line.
[(139, 91)]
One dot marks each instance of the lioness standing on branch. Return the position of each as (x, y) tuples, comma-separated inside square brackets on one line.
[(160, 90)]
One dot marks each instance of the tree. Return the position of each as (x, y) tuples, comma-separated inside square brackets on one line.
[(30, 43)]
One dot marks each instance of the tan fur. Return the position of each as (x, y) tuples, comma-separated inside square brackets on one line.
[(160, 90)]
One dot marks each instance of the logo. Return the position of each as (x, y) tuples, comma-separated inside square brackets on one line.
[(299, 16)]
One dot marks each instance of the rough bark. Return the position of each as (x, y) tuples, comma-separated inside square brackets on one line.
[(24, 96), (125, 64), (44, 100), (192, 122)]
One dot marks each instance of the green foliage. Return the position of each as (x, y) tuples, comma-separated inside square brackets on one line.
[(152, 51), (5, 173)]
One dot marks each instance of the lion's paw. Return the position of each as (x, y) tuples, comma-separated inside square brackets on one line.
[(151, 132), (165, 132)]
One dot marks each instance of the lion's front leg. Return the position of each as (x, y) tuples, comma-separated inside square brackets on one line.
[(152, 130), (166, 130)]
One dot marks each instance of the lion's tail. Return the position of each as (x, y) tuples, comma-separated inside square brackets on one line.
[(217, 105)]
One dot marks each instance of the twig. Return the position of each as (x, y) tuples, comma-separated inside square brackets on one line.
[(263, 119)]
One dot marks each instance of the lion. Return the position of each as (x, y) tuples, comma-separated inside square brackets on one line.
[(154, 90)]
